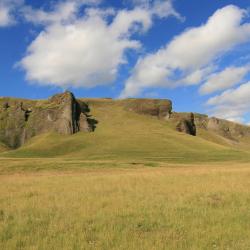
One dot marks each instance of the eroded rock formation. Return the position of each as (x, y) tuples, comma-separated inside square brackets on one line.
[(22, 119), (227, 129), (184, 122), (154, 107)]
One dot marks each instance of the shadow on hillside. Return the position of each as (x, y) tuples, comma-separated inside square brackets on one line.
[(92, 122)]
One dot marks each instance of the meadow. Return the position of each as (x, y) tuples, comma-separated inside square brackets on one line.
[(135, 183), (94, 205)]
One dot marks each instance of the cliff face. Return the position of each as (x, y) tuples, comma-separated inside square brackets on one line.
[(154, 107), (162, 109), (227, 129), (184, 122), (22, 119), (187, 123)]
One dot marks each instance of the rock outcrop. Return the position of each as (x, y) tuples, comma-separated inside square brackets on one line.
[(22, 119), (227, 129), (154, 107), (188, 123), (184, 122)]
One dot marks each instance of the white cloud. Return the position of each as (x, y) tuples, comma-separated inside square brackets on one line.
[(160, 8), (7, 12), (232, 104), (192, 51), (64, 11), (225, 79), (164, 8), (82, 49), (5, 18), (127, 20), (140, 2), (195, 77)]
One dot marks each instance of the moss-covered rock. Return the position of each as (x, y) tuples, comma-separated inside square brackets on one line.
[(184, 122), (154, 107), (22, 119), (228, 129)]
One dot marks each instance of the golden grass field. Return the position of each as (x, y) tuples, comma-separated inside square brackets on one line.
[(134, 183), (170, 206)]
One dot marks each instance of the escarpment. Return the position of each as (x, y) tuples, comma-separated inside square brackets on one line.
[(230, 130), (188, 123), (154, 107), (22, 119), (162, 109)]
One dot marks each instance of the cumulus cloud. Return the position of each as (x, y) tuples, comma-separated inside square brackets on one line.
[(65, 11), (161, 8), (189, 55), (164, 8), (232, 104), (5, 18), (82, 49), (7, 12), (225, 79)]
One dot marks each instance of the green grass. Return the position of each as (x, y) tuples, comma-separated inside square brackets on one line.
[(168, 207), (126, 136)]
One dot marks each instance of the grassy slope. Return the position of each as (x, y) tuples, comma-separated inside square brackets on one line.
[(123, 135)]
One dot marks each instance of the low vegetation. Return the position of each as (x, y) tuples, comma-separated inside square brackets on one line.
[(134, 183), (127, 136), (100, 206)]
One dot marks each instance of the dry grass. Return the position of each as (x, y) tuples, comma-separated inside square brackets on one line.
[(167, 207), (134, 183)]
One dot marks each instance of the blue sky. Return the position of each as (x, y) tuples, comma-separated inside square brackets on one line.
[(194, 52)]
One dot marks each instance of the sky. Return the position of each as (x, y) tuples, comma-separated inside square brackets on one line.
[(194, 52)]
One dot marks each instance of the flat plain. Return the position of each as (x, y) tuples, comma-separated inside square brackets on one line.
[(83, 205)]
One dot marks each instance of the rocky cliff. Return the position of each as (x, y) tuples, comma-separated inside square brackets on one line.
[(187, 123), (154, 107), (22, 119), (230, 130), (184, 122), (162, 109)]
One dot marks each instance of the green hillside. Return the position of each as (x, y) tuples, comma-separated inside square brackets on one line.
[(127, 136)]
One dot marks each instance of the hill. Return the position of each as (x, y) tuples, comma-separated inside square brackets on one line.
[(140, 130)]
